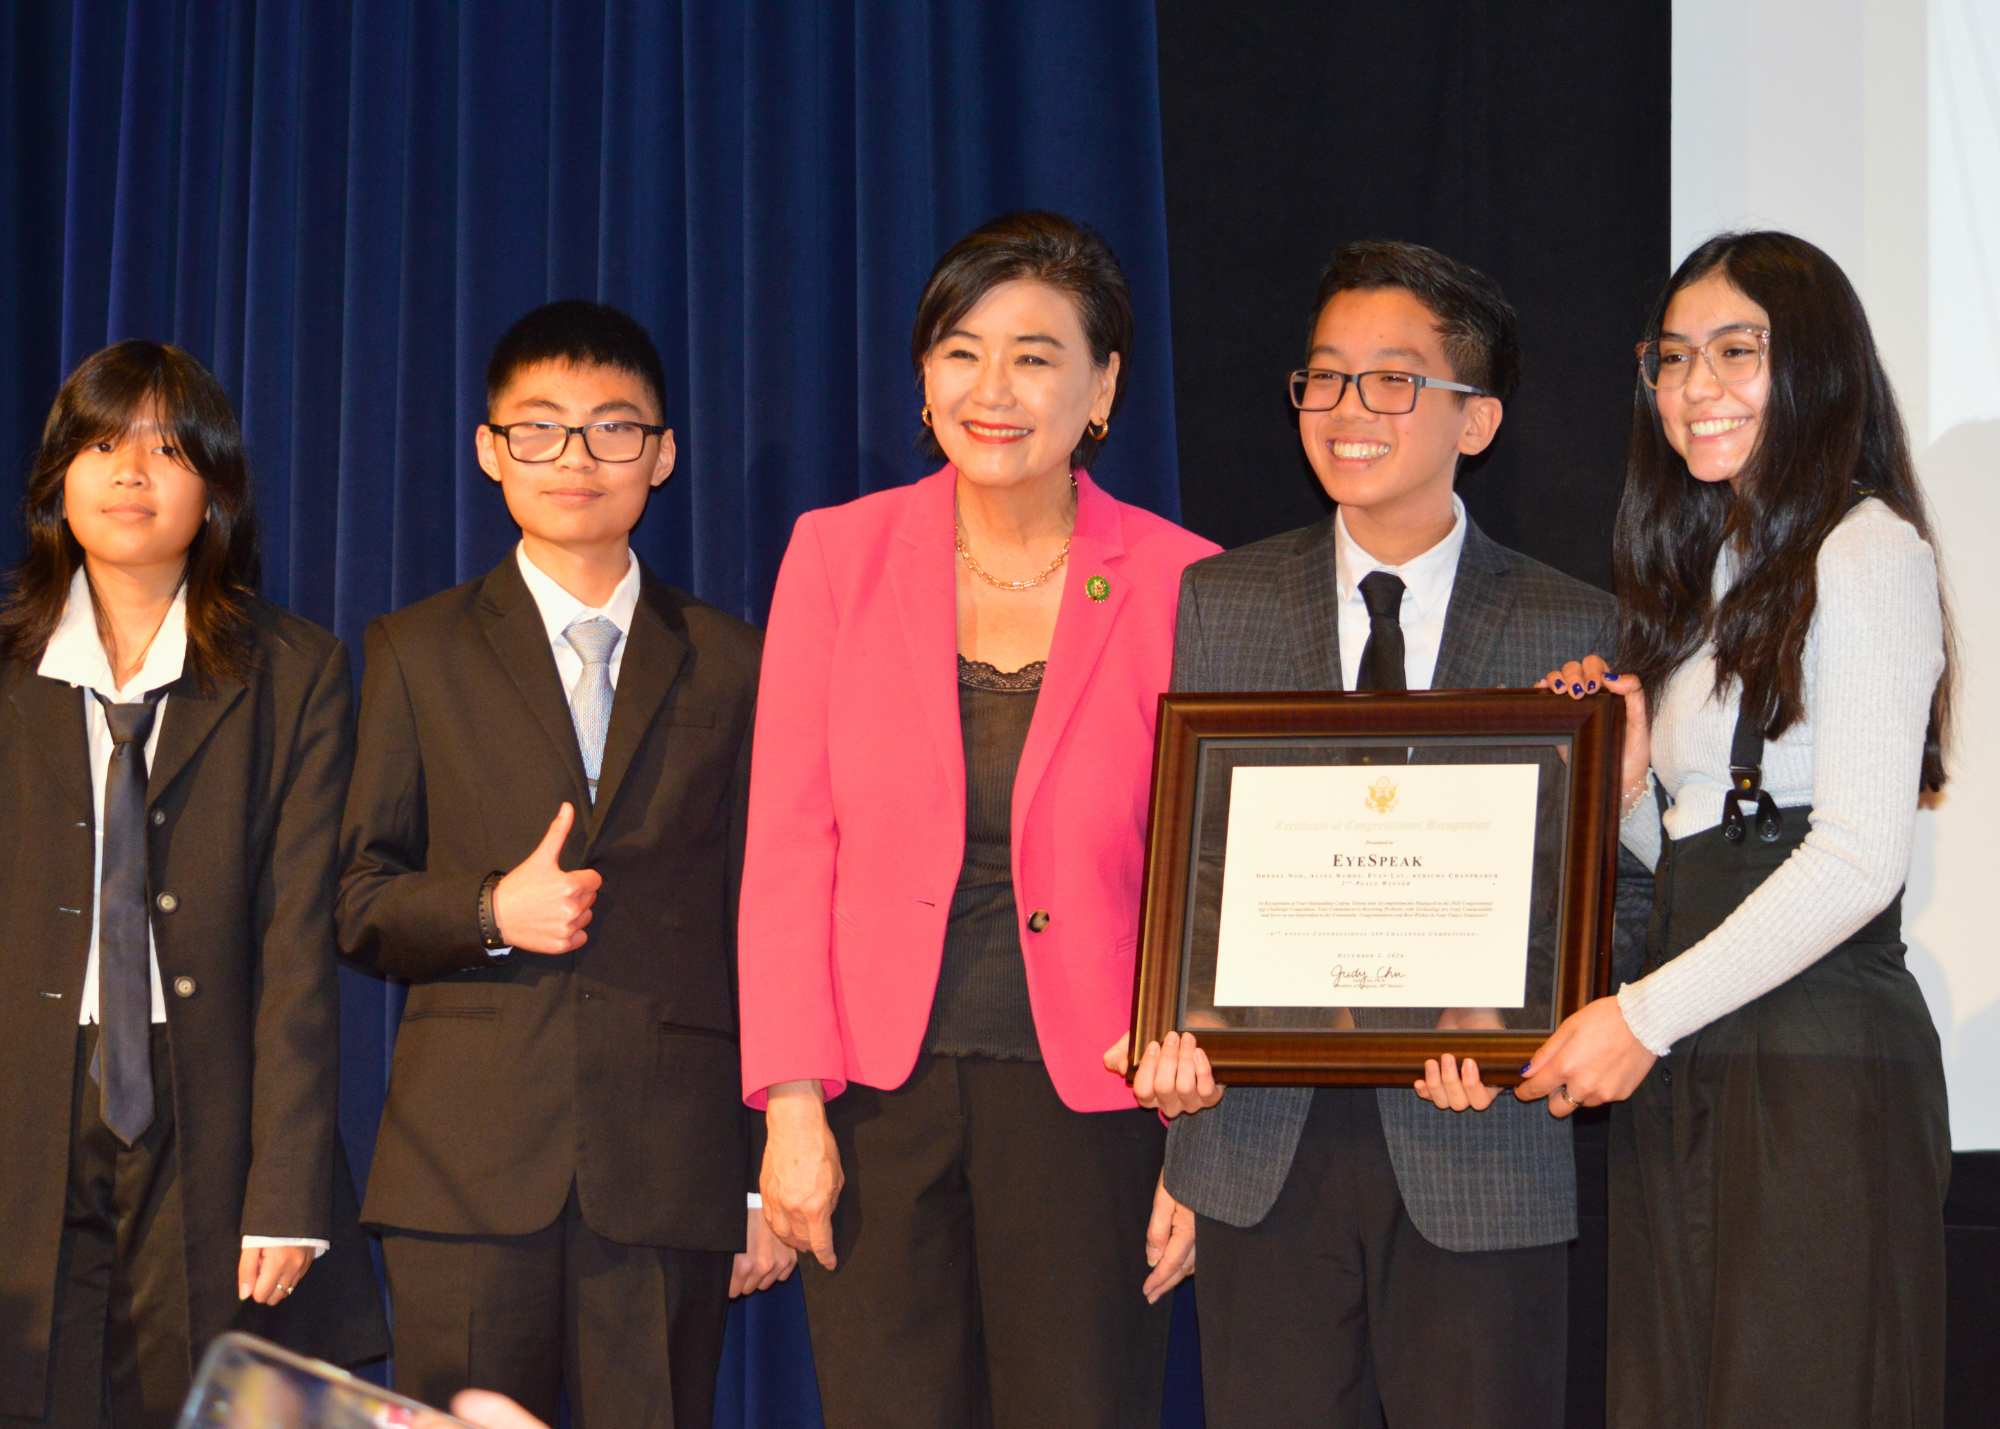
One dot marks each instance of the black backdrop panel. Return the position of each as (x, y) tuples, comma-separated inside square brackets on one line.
[(1530, 141)]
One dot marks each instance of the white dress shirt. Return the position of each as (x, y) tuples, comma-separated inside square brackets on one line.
[(560, 609), (1427, 582), (75, 655)]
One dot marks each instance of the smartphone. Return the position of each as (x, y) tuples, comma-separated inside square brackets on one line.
[(248, 1383)]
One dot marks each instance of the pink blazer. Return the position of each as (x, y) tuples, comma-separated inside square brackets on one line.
[(857, 791)]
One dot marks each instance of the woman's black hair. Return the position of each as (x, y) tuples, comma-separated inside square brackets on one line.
[(1040, 247), (105, 397), (1830, 434)]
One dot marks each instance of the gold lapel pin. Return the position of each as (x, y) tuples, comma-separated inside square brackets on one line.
[(1097, 588)]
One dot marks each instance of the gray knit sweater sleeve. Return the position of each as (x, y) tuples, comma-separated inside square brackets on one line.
[(1871, 662)]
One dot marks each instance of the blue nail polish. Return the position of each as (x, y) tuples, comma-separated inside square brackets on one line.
[(1527, 1067), (1609, 676), (1593, 687), (1558, 687)]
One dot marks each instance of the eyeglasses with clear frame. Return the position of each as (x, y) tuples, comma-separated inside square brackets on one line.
[(536, 442), (1734, 355), (1386, 394)]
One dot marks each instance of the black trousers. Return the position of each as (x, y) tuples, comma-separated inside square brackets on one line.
[(633, 1332), (119, 1353), (1777, 1186), (1335, 1311), (991, 1246)]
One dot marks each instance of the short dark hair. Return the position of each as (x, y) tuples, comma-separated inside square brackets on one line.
[(580, 334), (1482, 339), (104, 398), (1040, 247)]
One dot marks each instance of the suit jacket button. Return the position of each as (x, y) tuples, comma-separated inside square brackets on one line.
[(1038, 920), (166, 902), (159, 817), (185, 987)]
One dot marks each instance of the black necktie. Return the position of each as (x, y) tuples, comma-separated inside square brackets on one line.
[(1382, 656), (124, 944)]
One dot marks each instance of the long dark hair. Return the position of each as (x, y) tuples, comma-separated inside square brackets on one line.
[(103, 398), (1042, 247), (1830, 434)]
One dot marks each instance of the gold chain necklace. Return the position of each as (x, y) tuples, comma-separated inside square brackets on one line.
[(958, 538)]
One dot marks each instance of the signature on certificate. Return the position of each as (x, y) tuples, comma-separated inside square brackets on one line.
[(1384, 976)]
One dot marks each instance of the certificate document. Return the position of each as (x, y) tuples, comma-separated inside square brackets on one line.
[(1371, 885)]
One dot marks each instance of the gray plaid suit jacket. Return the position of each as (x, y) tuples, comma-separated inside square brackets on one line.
[(1265, 617)]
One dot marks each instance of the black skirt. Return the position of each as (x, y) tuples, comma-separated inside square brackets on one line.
[(1778, 1183)]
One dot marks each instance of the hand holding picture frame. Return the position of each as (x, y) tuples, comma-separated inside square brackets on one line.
[(1341, 885)]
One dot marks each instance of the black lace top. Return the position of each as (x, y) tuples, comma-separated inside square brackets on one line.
[(981, 1008)]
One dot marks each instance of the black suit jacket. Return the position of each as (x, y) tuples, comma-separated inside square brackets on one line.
[(614, 1067), (243, 804)]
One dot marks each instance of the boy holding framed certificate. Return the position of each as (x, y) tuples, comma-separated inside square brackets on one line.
[(1350, 1234)]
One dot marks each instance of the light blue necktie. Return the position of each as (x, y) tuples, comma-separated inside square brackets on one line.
[(590, 702)]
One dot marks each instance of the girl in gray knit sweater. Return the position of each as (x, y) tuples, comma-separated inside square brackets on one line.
[(1779, 1147)]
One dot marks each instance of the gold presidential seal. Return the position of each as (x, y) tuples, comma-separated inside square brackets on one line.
[(1381, 795)]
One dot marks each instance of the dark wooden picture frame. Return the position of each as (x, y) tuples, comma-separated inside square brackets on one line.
[(1595, 729)]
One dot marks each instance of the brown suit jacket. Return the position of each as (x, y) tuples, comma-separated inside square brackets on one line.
[(613, 1068), (244, 802)]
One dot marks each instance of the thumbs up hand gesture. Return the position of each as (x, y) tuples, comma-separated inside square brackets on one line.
[(541, 909)]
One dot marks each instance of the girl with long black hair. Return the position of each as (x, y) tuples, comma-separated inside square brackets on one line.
[(1779, 1140), (173, 757)]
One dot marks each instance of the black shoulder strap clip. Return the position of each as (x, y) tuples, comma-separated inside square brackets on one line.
[(1746, 785), (1746, 762)]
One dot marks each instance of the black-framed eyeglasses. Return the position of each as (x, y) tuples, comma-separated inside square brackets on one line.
[(1734, 355), (545, 441), (1386, 394)]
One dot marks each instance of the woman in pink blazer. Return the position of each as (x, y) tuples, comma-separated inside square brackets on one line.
[(941, 889)]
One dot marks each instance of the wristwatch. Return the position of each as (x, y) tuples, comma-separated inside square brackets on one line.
[(489, 924)]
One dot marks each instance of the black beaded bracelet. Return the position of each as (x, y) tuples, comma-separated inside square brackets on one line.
[(489, 923)]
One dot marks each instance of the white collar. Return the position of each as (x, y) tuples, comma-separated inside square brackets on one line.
[(559, 608), (1427, 579), (75, 654)]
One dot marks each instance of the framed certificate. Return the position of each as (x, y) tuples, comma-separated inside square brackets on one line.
[(1339, 886)]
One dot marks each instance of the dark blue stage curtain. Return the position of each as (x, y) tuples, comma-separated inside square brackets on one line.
[(340, 204)]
